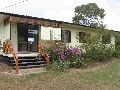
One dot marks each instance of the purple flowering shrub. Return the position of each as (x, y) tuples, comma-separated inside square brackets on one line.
[(61, 54), (69, 54)]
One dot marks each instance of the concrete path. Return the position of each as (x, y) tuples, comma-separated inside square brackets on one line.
[(26, 71)]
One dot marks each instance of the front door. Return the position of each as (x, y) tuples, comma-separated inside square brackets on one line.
[(33, 40), (27, 37)]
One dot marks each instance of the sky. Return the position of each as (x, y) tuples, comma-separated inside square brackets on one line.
[(62, 10)]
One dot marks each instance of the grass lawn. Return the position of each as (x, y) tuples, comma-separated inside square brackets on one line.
[(105, 77)]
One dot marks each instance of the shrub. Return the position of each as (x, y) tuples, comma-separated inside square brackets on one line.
[(116, 53), (95, 50), (77, 63), (61, 54), (69, 54), (54, 51), (60, 66)]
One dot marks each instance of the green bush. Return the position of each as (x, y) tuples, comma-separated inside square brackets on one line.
[(95, 50), (99, 53), (60, 66), (77, 63), (116, 53)]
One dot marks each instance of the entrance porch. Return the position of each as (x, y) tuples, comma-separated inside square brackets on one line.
[(20, 43), (23, 60)]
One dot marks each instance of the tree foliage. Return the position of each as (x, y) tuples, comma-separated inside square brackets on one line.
[(89, 15)]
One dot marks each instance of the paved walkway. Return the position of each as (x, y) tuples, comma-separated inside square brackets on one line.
[(26, 71)]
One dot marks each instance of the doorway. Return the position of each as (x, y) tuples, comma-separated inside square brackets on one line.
[(27, 37)]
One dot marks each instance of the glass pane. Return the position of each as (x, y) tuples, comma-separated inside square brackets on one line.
[(32, 39), (27, 37)]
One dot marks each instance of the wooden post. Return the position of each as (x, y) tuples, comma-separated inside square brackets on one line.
[(8, 49), (47, 58), (39, 47)]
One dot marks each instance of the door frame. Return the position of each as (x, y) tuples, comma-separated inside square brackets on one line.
[(27, 50)]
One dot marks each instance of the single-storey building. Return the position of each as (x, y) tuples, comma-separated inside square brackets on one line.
[(24, 32)]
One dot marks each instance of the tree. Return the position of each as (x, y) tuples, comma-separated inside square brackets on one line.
[(89, 15)]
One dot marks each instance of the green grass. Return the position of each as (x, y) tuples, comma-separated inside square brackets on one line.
[(107, 77)]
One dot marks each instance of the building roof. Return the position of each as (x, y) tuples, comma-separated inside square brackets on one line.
[(25, 16), (37, 18)]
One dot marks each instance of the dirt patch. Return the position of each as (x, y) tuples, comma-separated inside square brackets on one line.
[(5, 68)]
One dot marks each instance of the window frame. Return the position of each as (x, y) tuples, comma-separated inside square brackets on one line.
[(83, 36), (106, 39)]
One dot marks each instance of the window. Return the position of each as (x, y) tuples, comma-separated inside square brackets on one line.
[(106, 39), (66, 36), (83, 37)]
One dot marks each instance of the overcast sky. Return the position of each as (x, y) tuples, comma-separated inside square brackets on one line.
[(62, 10)]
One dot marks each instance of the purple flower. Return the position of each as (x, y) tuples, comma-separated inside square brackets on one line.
[(62, 53)]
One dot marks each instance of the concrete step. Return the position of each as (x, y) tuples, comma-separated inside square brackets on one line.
[(30, 66), (26, 62), (29, 63)]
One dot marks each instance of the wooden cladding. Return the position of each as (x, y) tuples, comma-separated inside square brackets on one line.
[(33, 21), (6, 21)]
